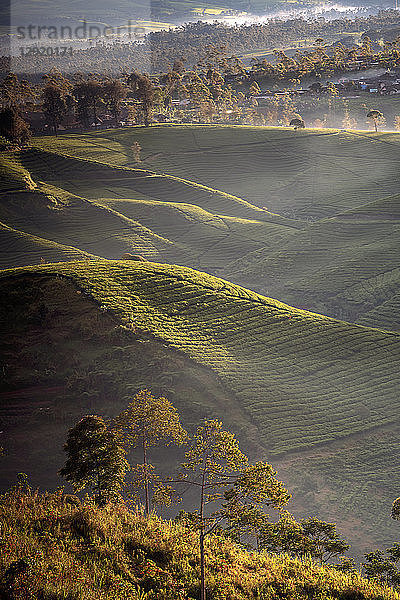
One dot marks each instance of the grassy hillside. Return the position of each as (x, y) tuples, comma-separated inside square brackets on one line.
[(345, 266), (315, 361), (318, 395), (311, 173), (293, 385), (335, 249), (107, 211), (18, 248), (117, 554)]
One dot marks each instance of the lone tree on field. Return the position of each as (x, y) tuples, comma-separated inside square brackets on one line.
[(297, 123), (216, 467), (96, 459), (376, 116), (136, 150), (149, 422)]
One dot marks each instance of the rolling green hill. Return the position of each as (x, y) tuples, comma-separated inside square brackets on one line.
[(307, 174), (335, 250), (299, 388), (345, 266), (337, 257), (18, 248), (317, 395), (108, 210)]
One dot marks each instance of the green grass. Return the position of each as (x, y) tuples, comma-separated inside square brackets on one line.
[(317, 364), (312, 173), (46, 211), (107, 210), (17, 247), (88, 553), (344, 266)]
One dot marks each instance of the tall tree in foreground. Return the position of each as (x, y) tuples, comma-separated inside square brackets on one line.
[(95, 459), (216, 467), (383, 566), (149, 422)]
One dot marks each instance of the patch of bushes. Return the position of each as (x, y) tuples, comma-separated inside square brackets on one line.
[(54, 547)]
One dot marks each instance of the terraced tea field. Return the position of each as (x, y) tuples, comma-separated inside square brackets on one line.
[(234, 331), (306, 174), (310, 218), (107, 211), (334, 246), (345, 266), (335, 251), (298, 380)]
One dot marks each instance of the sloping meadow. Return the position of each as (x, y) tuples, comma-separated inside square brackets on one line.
[(304, 378)]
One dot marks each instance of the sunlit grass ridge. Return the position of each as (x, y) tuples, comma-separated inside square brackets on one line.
[(302, 378)]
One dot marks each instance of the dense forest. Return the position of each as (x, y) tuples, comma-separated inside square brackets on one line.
[(219, 89), (159, 50)]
